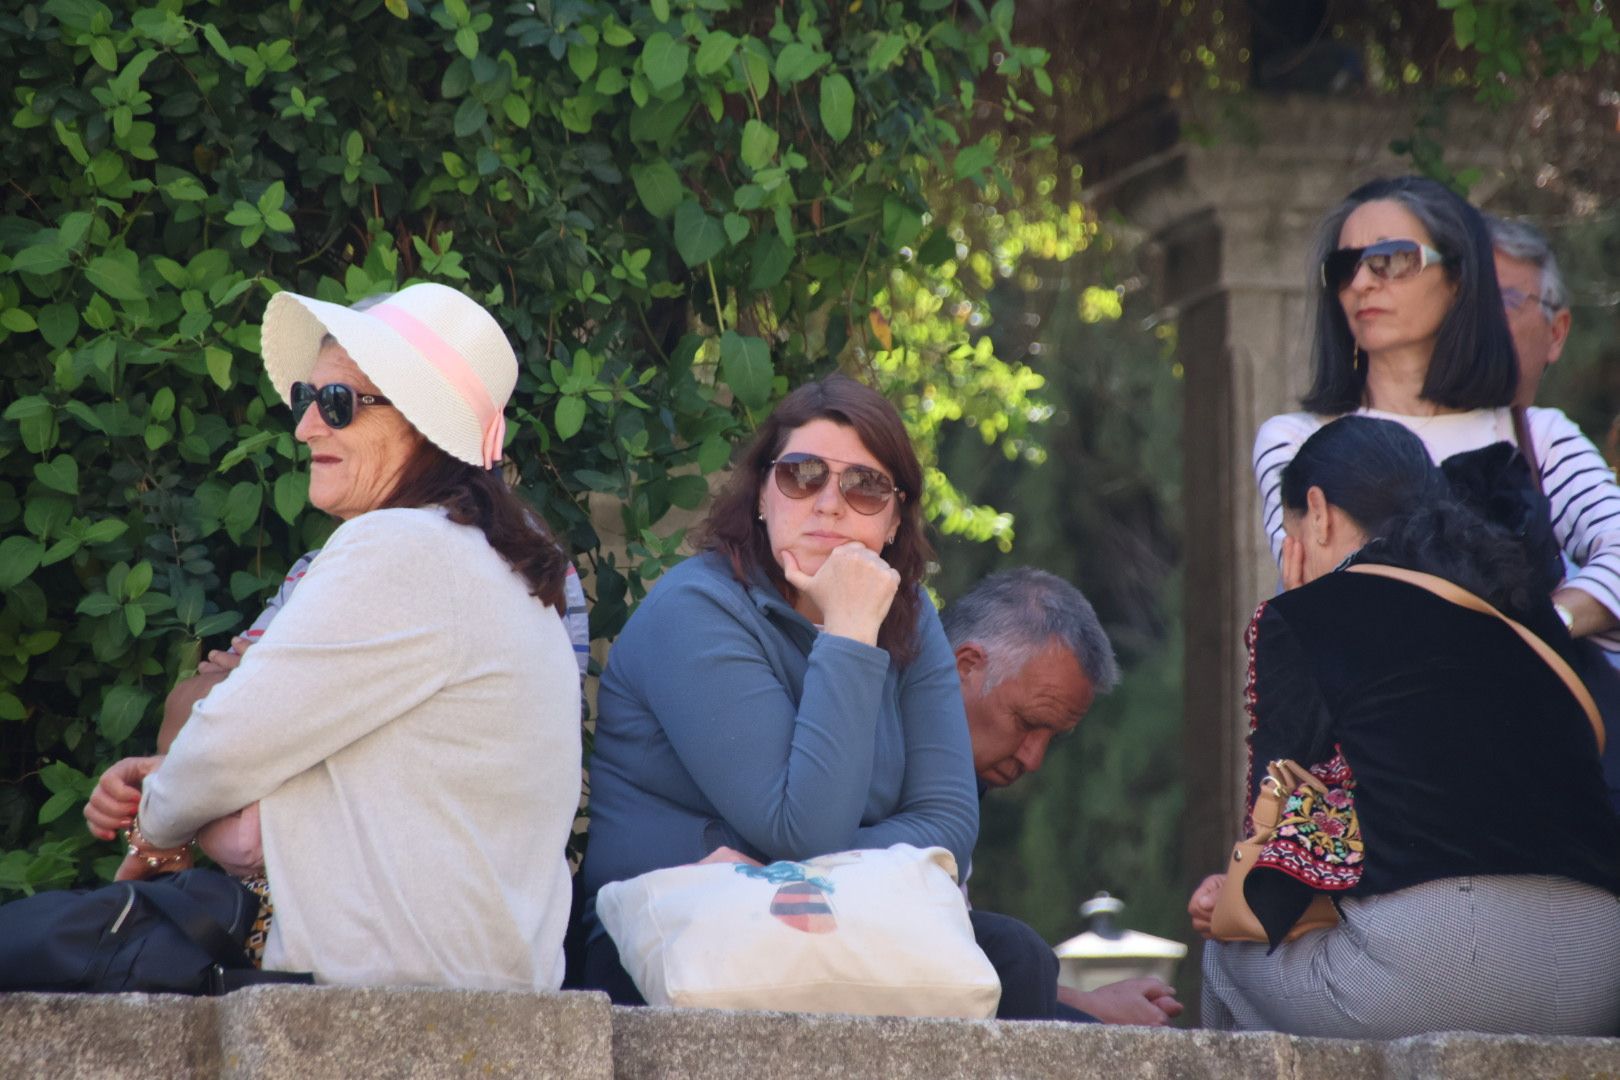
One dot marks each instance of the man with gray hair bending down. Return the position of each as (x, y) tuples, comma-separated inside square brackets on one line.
[(1032, 657)]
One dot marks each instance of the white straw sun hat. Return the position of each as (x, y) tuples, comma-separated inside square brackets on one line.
[(435, 353)]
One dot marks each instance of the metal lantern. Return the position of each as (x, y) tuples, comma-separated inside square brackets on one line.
[(1105, 953)]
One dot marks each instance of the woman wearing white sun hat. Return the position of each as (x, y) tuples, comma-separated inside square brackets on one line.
[(409, 723)]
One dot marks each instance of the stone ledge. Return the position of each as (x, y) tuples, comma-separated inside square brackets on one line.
[(307, 1033), (310, 1033)]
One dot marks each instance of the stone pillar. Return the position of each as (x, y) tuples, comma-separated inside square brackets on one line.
[(1227, 193)]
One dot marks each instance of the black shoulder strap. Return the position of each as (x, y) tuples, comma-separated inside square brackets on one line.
[(195, 922)]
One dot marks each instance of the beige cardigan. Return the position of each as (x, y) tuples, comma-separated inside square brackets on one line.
[(410, 725)]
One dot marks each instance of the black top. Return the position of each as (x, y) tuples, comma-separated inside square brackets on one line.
[(1470, 754)]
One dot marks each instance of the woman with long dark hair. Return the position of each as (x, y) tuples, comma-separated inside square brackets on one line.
[(1410, 327), (1479, 893)]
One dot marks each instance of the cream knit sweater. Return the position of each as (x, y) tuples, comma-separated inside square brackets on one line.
[(410, 725)]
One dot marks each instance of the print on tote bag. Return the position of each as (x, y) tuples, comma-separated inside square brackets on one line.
[(802, 901)]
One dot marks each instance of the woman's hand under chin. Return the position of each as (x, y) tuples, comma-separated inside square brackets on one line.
[(853, 590)]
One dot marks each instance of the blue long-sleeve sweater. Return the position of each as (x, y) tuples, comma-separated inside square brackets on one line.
[(725, 717)]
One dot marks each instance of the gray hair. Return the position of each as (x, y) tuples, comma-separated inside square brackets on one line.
[(1015, 613), (1518, 239)]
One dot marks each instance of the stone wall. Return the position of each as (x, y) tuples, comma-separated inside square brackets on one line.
[(311, 1033)]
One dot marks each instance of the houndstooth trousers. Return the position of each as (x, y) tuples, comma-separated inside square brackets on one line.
[(1521, 954)]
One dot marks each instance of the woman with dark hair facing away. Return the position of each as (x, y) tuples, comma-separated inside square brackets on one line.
[(408, 725), (788, 692), (1480, 894), (1409, 326)]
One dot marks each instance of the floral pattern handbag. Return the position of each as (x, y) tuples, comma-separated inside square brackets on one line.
[(1306, 835)]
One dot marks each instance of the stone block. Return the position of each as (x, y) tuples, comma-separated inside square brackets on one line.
[(655, 1043), (107, 1036), (1459, 1054), (307, 1033)]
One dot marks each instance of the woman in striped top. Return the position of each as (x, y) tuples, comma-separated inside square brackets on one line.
[(1410, 327)]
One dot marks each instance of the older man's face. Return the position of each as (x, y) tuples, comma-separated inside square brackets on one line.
[(1016, 720), (1538, 338)]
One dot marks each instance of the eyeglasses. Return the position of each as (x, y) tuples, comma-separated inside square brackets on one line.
[(1389, 260), (337, 402), (1514, 299), (799, 476)]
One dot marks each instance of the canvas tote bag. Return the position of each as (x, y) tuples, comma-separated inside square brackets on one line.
[(874, 932)]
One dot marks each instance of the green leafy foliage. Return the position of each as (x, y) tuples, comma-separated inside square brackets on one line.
[(677, 208)]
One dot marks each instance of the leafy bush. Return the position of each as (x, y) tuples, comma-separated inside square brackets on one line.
[(678, 208)]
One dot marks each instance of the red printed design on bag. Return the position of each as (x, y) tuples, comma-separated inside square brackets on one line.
[(802, 901), (803, 906)]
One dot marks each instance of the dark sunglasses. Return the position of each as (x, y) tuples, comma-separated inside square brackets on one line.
[(337, 402), (1390, 260), (799, 476)]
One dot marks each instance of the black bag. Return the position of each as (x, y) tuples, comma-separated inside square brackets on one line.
[(173, 934), (1503, 485)]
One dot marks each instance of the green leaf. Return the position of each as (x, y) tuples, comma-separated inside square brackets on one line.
[(660, 10), (96, 605), (217, 623), (104, 54), (61, 473), (770, 259), (885, 52), (19, 557), (901, 223), (218, 362), (664, 60), (715, 52), (58, 323), (216, 41), (11, 708), (135, 619), (18, 321), (698, 237), (837, 106), (291, 493), (273, 198), (570, 416), (39, 259), (516, 109), (470, 116), (118, 275), (138, 580), (121, 712), (736, 227), (687, 492), (745, 364), (582, 60), (939, 247), (104, 531), (658, 187), (713, 454), (241, 510), (798, 62), (972, 160), (758, 144)]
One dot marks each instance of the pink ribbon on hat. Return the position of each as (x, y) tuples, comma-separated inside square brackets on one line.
[(454, 367)]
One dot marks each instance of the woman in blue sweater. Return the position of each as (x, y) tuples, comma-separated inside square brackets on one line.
[(788, 692)]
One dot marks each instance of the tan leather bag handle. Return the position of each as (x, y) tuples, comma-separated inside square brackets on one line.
[(1463, 598)]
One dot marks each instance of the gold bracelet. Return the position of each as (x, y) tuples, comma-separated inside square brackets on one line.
[(154, 857)]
